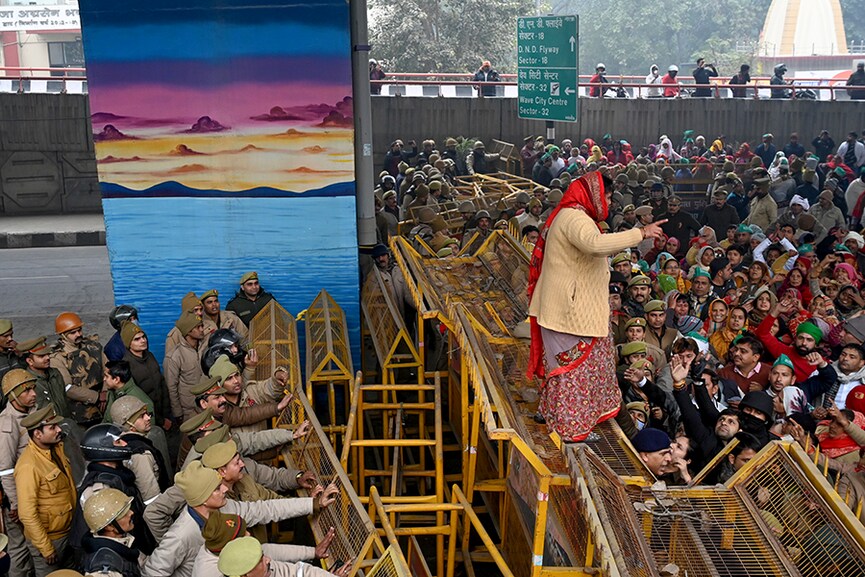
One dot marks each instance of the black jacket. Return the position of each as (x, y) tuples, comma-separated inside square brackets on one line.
[(99, 553), (697, 424), (121, 479), (148, 376), (245, 308)]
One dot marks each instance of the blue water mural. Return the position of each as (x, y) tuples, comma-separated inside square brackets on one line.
[(223, 133), (298, 246)]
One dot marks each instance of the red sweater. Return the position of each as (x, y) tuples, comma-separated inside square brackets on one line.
[(776, 348)]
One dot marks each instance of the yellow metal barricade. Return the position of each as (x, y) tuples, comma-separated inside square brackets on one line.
[(393, 345), (328, 360), (355, 533), (816, 529), (273, 334)]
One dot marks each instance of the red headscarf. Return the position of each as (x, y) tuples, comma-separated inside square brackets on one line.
[(586, 194)]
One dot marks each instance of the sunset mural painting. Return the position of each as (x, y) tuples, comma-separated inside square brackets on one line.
[(223, 135)]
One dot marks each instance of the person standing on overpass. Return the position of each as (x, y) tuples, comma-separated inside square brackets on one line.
[(486, 73), (671, 85), (702, 74)]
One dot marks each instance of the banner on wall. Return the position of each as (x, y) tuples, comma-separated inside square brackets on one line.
[(36, 18)]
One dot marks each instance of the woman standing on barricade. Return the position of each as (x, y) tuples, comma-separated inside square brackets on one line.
[(572, 351)]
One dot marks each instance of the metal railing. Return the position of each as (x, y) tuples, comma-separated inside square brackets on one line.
[(43, 80), (636, 86)]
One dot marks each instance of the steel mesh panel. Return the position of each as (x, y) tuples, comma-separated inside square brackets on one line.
[(705, 531), (327, 338), (573, 516), (381, 319), (388, 565), (815, 540), (610, 447), (314, 453), (617, 516), (273, 333)]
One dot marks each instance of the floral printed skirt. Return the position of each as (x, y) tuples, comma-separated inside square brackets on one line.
[(581, 388)]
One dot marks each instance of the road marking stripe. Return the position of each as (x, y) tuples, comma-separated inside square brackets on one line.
[(33, 277)]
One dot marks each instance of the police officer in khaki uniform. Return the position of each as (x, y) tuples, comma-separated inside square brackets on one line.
[(182, 366), (244, 557), (250, 298), (19, 390), (79, 360), (251, 393), (8, 359), (51, 390), (189, 304), (215, 318), (46, 491), (110, 546)]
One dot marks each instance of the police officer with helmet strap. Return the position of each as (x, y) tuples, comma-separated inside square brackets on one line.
[(110, 546)]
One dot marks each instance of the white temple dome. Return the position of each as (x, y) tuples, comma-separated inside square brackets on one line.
[(803, 28)]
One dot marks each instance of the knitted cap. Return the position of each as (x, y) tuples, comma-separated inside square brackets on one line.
[(128, 331)]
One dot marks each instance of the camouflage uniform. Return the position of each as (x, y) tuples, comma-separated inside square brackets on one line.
[(81, 368)]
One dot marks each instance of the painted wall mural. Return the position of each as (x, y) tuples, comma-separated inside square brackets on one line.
[(223, 134)]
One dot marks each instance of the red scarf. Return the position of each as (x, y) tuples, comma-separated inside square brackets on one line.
[(586, 194)]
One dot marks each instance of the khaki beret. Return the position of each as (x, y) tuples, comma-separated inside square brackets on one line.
[(208, 294), (621, 257), (639, 280), (629, 208), (654, 305), (219, 455), (240, 556), (40, 418), (218, 435), (199, 423), (5, 326), (635, 322), (207, 386), (634, 348), (33, 346), (197, 483), (388, 194), (643, 210), (252, 275)]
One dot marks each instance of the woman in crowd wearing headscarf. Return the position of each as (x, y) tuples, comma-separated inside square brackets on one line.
[(665, 148), (743, 157), (763, 302), (717, 317), (736, 324), (571, 349)]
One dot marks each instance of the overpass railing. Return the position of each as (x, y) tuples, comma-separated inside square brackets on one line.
[(459, 86)]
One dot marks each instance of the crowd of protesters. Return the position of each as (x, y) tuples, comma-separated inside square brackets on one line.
[(743, 320)]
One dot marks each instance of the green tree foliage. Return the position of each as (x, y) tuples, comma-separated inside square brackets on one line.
[(854, 20), (627, 36), (630, 36), (445, 35)]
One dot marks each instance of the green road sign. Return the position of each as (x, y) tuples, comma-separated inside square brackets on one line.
[(547, 56)]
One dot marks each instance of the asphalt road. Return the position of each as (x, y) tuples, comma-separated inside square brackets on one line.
[(36, 284)]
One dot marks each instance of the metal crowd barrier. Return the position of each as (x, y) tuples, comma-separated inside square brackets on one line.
[(328, 360), (273, 334)]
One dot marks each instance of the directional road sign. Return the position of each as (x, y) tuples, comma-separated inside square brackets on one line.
[(547, 56)]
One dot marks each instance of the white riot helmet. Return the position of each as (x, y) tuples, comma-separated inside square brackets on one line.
[(673, 68), (600, 66)]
